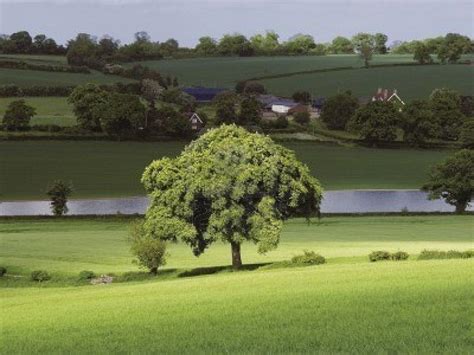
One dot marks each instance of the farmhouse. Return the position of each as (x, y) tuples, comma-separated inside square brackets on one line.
[(276, 104), (196, 122), (386, 95)]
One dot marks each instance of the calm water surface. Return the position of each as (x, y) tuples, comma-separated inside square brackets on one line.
[(347, 201)]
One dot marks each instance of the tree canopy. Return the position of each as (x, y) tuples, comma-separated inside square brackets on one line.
[(338, 110), (18, 115), (453, 180), (229, 185)]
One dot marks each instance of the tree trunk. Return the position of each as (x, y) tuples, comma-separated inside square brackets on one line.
[(236, 258), (461, 207)]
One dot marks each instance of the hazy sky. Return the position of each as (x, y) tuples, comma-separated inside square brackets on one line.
[(187, 20)]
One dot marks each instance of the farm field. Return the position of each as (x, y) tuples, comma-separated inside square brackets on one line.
[(113, 169), (24, 78), (36, 58), (412, 82), (49, 110), (346, 305)]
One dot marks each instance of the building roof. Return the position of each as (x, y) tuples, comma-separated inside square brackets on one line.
[(386, 95), (203, 94), (269, 100)]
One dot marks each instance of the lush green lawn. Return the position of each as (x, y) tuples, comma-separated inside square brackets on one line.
[(112, 169), (348, 305), (24, 78), (413, 82), (49, 110)]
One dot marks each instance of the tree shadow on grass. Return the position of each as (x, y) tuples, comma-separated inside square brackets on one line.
[(217, 269)]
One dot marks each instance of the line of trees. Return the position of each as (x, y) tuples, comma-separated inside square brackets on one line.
[(445, 115), (89, 50)]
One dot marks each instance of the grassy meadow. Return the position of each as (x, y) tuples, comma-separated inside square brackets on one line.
[(347, 305), (113, 169), (49, 110), (25, 78)]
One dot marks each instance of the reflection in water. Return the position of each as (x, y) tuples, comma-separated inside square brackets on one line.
[(334, 202)]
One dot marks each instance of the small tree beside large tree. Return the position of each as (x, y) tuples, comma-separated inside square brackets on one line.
[(229, 185), (453, 180)]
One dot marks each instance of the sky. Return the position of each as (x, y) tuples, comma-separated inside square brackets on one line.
[(187, 20)]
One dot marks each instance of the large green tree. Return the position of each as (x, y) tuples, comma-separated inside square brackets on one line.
[(417, 122), (364, 45), (446, 107), (225, 104), (84, 99), (18, 116), (453, 180), (422, 54), (250, 111), (380, 43), (452, 47), (338, 110), (376, 122), (229, 185), (341, 45)]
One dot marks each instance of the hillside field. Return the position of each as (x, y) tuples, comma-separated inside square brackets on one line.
[(49, 110), (346, 305), (113, 169)]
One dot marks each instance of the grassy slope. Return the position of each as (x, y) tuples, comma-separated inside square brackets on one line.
[(49, 110), (24, 78), (226, 71), (65, 247), (413, 306), (114, 169), (411, 82), (36, 59)]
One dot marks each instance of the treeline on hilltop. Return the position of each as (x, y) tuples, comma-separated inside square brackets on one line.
[(90, 51)]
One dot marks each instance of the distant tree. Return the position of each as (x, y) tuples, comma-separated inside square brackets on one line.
[(17, 116), (299, 44), (417, 122), (58, 193), (107, 46), (302, 97), (364, 45), (338, 110), (206, 46), (265, 44), (422, 54), (254, 87), (150, 252), (376, 122), (446, 107), (84, 100), (433, 44), (452, 47), (302, 118), (453, 180), (38, 43), (225, 104), (320, 49), (250, 111), (151, 90), (234, 186), (120, 114), (380, 43), (82, 50), (173, 122), (236, 44), (21, 42), (467, 133), (341, 45), (169, 47)]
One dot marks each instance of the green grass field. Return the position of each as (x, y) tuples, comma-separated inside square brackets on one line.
[(348, 305), (36, 58), (113, 169), (49, 110), (24, 78), (411, 82)]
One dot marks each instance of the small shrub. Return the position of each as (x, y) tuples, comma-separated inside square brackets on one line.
[(302, 118), (399, 255), (379, 255), (40, 276), (467, 254), (150, 252), (308, 258), (439, 254), (86, 275), (3, 271)]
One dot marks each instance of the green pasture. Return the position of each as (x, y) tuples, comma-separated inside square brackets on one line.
[(25, 78), (348, 305), (113, 169), (49, 110), (412, 82), (226, 71), (36, 58)]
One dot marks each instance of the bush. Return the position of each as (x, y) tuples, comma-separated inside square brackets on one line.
[(40, 276), (308, 258), (3, 271), (439, 254), (86, 275), (399, 255), (379, 255), (302, 118), (150, 252)]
